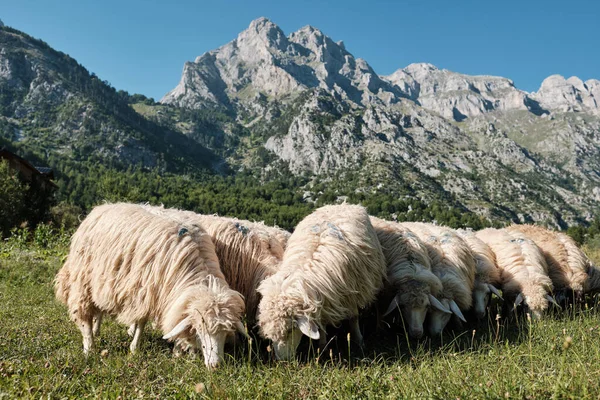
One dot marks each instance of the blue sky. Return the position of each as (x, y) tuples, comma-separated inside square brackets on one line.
[(141, 45)]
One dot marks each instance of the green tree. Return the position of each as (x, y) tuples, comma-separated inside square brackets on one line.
[(12, 196)]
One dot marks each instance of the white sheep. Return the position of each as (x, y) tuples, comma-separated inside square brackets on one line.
[(137, 266), (409, 278), (452, 261), (487, 274), (523, 270), (332, 267), (248, 252), (566, 277), (580, 264)]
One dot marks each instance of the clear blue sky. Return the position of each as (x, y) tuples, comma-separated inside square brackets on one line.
[(141, 45)]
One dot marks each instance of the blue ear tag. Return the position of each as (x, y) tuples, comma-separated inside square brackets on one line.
[(182, 232), (335, 231), (242, 228)]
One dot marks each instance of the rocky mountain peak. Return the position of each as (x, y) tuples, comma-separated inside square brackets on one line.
[(1, 23), (560, 94), (262, 32), (262, 61), (458, 96)]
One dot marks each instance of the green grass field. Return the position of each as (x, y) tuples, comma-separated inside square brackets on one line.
[(41, 357)]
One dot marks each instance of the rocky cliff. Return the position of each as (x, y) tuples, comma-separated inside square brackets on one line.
[(500, 151)]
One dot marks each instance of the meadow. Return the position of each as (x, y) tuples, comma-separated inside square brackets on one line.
[(41, 356)]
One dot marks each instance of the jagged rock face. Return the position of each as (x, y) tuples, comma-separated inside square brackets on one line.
[(48, 98), (485, 168), (322, 111), (263, 61), (560, 94), (457, 96)]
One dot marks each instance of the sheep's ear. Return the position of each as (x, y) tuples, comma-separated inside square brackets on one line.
[(435, 303), (180, 327), (518, 300), (456, 310), (494, 290), (551, 300), (393, 305), (242, 329), (309, 328)]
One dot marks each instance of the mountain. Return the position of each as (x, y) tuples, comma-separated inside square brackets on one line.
[(53, 108), (262, 63), (269, 125), (304, 103)]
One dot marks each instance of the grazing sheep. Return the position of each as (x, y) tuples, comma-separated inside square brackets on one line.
[(248, 252), (566, 278), (523, 270), (452, 262), (333, 266), (586, 277), (487, 274), (137, 266), (409, 278)]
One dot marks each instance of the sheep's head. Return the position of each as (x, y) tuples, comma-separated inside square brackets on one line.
[(438, 319), (453, 290), (535, 303), (284, 315), (213, 314), (482, 293), (414, 301)]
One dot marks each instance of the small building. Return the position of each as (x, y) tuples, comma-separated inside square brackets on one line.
[(41, 176)]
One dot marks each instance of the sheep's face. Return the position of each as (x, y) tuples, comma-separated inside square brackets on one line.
[(414, 307), (212, 346), (438, 319), (414, 317), (481, 298), (285, 349)]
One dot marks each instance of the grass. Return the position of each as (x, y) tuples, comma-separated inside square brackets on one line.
[(40, 355)]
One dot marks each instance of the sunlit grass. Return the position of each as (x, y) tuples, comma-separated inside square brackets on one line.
[(40, 356)]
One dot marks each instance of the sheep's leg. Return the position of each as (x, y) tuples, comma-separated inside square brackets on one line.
[(131, 330), (139, 330), (97, 324), (88, 335), (355, 332)]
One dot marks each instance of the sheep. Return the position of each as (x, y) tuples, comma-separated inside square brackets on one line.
[(137, 266), (248, 252), (566, 278), (409, 277), (586, 278), (452, 262), (487, 274), (523, 270), (333, 266)]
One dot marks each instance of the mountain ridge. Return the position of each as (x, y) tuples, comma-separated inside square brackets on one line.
[(301, 108), (321, 111)]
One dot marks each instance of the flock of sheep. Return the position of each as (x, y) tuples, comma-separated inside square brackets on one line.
[(197, 277)]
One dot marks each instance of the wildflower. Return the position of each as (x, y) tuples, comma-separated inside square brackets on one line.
[(199, 388)]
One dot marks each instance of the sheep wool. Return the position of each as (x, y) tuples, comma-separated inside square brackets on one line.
[(487, 274), (332, 267), (523, 268), (127, 262), (451, 260), (409, 276), (248, 252), (580, 265)]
